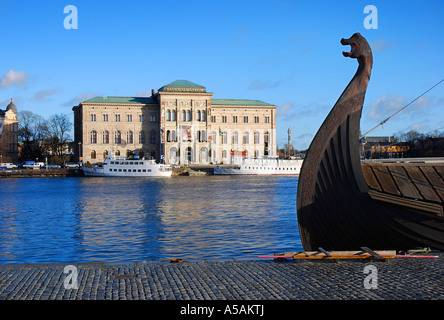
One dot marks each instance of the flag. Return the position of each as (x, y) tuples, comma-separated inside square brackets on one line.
[(220, 132)]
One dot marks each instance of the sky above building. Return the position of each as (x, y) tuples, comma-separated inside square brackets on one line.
[(283, 52)]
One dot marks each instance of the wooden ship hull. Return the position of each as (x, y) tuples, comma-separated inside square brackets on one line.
[(344, 205)]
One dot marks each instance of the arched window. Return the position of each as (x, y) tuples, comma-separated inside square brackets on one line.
[(118, 153), (168, 115), (168, 136), (204, 136), (106, 137), (198, 115), (153, 137), (199, 136), (141, 137), (224, 153), (203, 115), (256, 138), (245, 138), (234, 138), (173, 116), (184, 115), (93, 137), (173, 136), (224, 137), (188, 115), (129, 137), (105, 154), (117, 137), (93, 154)]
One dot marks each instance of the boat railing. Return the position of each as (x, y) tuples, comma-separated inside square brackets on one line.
[(405, 160)]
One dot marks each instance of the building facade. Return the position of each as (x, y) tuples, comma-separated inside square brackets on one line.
[(180, 123), (9, 134)]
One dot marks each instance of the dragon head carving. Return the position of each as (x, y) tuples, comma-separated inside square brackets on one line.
[(359, 48)]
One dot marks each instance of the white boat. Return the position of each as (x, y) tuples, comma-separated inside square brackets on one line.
[(262, 167), (116, 166)]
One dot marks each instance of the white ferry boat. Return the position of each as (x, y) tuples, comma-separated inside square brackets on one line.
[(263, 167), (116, 166)]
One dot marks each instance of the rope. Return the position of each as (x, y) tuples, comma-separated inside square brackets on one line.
[(400, 110)]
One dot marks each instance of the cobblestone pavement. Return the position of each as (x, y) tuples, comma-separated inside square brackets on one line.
[(400, 278)]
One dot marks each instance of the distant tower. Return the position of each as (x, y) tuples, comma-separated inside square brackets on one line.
[(289, 141)]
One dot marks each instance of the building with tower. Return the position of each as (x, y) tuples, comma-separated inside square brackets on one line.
[(180, 123), (9, 134)]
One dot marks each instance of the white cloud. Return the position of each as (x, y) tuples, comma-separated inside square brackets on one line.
[(282, 111), (81, 97), (264, 84), (13, 78), (385, 106), (43, 95), (381, 44)]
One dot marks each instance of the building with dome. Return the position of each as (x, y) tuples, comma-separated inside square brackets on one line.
[(9, 134), (180, 123)]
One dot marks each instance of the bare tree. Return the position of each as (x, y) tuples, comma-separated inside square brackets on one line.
[(59, 127), (32, 130)]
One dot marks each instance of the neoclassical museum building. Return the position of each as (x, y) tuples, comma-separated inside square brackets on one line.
[(178, 124)]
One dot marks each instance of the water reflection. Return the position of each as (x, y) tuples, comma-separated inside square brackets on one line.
[(118, 220)]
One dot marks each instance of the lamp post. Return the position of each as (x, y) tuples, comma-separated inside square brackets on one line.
[(80, 148)]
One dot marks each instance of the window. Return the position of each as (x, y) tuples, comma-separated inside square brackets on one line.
[(224, 119), (204, 136), (141, 118), (93, 137), (198, 115), (173, 136), (267, 119), (153, 118), (153, 137), (129, 118), (168, 136), (203, 115), (117, 137), (256, 119), (93, 117), (105, 117), (245, 138), (168, 115), (117, 117), (245, 119), (234, 138), (93, 154), (129, 137), (213, 118), (141, 137), (256, 138), (188, 115), (234, 119), (224, 137), (184, 117), (173, 115), (106, 137)]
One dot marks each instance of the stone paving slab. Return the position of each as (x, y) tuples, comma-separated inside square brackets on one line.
[(397, 279)]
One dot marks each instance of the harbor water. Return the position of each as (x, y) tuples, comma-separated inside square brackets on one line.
[(128, 220)]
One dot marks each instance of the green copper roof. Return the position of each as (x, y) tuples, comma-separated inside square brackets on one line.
[(182, 86), (123, 100), (238, 102)]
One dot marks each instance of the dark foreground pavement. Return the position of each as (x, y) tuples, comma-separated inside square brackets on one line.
[(394, 279)]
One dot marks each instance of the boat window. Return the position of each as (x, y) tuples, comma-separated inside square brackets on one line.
[(144, 170), (134, 170), (110, 170), (115, 170), (139, 170), (124, 170), (149, 170), (120, 170)]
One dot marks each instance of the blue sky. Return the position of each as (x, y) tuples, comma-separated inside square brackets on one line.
[(282, 52)]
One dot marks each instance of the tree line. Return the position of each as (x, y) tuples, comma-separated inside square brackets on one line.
[(429, 144), (40, 137)]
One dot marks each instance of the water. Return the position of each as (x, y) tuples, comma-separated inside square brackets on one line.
[(120, 220)]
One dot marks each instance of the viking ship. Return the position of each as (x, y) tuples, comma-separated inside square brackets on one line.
[(343, 204)]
